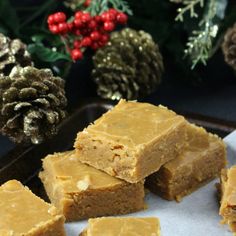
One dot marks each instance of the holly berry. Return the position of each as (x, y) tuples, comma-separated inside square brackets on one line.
[(59, 17), (78, 14), (77, 44), (92, 24), (104, 38), (76, 54), (87, 3), (95, 35), (85, 17), (78, 23), (63, 28), (50, 19), (122, 18), (54, 29), (109, 26), (86, 42), (70, 26), (95, 46)]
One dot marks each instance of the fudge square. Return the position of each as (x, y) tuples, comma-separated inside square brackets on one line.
[(201, 160), (228, 200), (24, 214), (81, 191), (114, 226), (132, 141)]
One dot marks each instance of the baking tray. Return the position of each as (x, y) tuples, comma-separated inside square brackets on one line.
[(24, 162)]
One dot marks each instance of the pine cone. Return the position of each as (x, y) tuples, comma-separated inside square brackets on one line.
[(32, 104), (129, 66), (12, 53), (229, 47)]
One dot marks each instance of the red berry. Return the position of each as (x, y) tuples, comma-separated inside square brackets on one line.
[(77, 44), (86, 17), (109, 26), (78, 23), (78, 14), (122, 18), (86, 42), (113, 11), (92, 24), (77, 32), (95, 46), (98, 19), (95, 35), (76, 54), (87, 3), (62, 27), (59, 17), (70, 26), (104, 38), (54, 29), (50, 19), (105, 16)]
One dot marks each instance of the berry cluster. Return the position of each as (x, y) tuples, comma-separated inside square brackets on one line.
[(88, 31)]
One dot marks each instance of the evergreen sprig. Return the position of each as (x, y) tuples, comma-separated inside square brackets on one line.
[(99, 6), (189, 6), (200, 43)]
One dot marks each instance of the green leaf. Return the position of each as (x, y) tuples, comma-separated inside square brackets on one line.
[(9, 17), (46, 54)]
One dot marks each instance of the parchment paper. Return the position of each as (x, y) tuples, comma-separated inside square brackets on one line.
[(196, 215)]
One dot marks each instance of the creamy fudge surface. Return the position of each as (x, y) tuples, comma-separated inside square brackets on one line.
[(132, 140), (133, 123), (201, 160), (81, 191), (22, 213), (111, 226)]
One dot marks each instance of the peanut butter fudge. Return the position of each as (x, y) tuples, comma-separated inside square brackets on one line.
[(228, 200), (113, 226), (81, 191), (132, 141), (201, 160), (24, 214)]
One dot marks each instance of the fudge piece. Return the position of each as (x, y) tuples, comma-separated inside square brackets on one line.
[(228, 200), (132, 141), (201, 161), (24, 214), (81, 191), (114, 226)]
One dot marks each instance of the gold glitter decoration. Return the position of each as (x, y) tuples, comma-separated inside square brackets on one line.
[(129, 66), (12, 53), (229, 47), (32, 104)]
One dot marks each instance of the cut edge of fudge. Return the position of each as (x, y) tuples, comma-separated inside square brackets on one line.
[(228, 197), (118, 155), (103, 221), (88, 200), (188, 178), (49, 227)]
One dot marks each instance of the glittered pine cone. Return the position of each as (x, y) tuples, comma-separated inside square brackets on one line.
[(32, 104), (129, 66), (12, 53), (229, 47)]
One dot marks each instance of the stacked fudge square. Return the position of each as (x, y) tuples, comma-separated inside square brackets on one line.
[(132, 144)]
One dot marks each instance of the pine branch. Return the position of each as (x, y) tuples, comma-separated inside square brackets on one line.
[(200, 44), (189, 6)]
